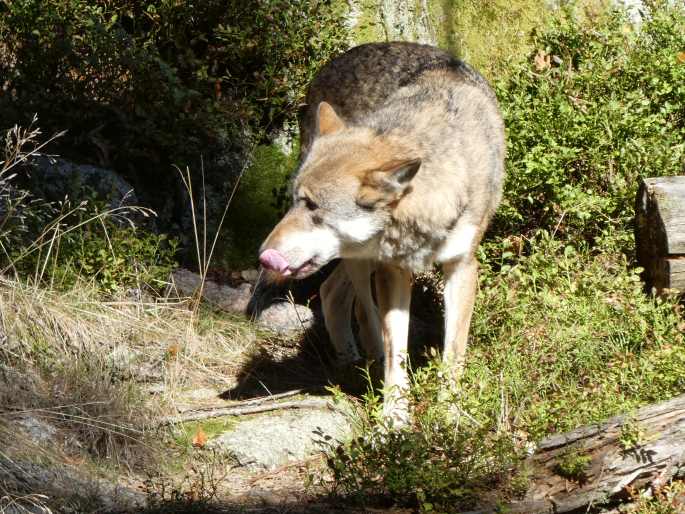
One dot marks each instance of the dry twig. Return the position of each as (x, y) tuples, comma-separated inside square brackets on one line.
[(242, 410)]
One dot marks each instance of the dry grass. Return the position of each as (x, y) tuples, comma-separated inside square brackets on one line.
[(84, 378), (87, 367)]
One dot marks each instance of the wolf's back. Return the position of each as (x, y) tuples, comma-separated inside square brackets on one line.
[(359, 81)]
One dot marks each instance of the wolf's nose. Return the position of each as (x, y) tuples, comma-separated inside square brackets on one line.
[(273, 260)]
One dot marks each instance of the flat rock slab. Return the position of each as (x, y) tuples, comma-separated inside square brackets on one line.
[(272, 440)]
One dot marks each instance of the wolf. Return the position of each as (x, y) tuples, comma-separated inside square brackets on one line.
[(401, 167)]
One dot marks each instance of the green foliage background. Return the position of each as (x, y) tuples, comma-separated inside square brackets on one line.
[(582, 130), (144, 85), (563, 333)]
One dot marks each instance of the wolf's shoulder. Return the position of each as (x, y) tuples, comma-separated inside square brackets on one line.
[(364, 76)]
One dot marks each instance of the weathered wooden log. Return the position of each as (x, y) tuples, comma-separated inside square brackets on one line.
[(660, 232), (647, 448)]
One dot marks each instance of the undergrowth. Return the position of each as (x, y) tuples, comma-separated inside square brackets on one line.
[(61, 243), (666, 499), (87, 366), (569, 337), (103, 373), (448, 457)]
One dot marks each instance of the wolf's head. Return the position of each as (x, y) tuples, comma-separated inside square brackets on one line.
[(343, 196)]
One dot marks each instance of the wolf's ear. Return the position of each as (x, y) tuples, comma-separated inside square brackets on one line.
[(387, 185), (327, 120)]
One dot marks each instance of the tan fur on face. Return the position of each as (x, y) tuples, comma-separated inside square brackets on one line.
[(290, 224)]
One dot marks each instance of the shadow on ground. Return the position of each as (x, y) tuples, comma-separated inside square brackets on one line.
[(306, 361)]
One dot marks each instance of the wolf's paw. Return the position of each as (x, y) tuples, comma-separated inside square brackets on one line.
[(396, 409)]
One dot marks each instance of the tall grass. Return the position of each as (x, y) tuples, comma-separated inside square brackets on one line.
[(80, 360)]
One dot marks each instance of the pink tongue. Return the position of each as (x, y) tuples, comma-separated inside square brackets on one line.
[(273, 260)]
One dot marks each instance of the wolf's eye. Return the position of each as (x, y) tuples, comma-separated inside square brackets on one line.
[(309, 203)]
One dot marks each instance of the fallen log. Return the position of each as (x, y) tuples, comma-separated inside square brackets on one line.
[(629, 451)]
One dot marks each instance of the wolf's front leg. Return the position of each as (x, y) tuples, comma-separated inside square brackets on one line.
[(337, 299), (393, 290), (461, 279), (359, 272)]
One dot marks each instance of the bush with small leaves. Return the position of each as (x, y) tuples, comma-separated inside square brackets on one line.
[(596, 108)]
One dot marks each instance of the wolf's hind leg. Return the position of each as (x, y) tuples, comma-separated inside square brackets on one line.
[(461, 279), (337, 299), (359, 272)]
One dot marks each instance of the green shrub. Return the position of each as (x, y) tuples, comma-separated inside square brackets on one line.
[(599, 106), (573, 466), (449, 455), (94, 245), (61, 244), (562, 325), (115, 258), (143, 85), (568, 337)]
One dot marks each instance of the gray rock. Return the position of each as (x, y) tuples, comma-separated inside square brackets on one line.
[(156, 388), (227, 298), (61, 483), (250, 275), (129, 363), (122, 358), (39, 431), (285, 318), (58, 177), (269, 441)]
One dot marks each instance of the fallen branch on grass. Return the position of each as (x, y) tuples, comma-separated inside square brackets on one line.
[(241, 410)]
